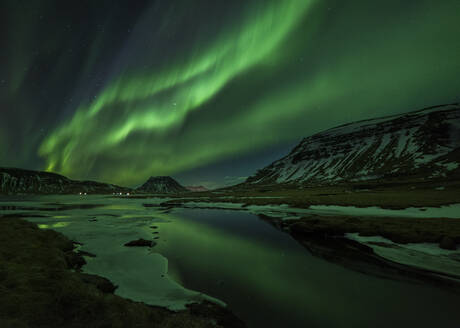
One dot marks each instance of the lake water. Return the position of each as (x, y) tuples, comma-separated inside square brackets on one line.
[(262, 274)]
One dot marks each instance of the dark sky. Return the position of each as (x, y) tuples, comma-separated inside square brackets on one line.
[(208, 91)]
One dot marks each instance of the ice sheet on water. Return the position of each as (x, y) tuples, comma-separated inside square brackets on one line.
[(450, 211), (426, 256), (140, 272)]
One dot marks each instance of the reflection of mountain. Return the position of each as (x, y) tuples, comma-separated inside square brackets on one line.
[(358, 257), (161, 184), (333, 247), (18, 181), (419, 145)]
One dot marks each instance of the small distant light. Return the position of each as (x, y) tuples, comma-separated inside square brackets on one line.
[(85, 194), (127, 194), (80, 193)]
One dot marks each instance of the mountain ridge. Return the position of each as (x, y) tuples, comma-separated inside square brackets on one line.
[(22, 181), (422, 144), (197, 188)]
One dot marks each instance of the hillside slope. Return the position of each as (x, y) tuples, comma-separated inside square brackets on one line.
[(421, 145)]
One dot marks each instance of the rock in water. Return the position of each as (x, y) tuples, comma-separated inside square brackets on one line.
[(140, 242), (161, 184), (448, 243)]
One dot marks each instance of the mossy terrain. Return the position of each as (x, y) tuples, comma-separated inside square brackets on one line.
[(41, 286)]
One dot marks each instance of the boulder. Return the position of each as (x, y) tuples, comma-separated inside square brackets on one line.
[(140, 242), (447, 243)]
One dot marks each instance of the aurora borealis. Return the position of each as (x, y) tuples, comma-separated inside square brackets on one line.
[(213, 90)]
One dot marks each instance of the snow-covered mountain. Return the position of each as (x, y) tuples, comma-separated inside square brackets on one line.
[(161, 184), (19, 181), (424, 144), (197, 188)]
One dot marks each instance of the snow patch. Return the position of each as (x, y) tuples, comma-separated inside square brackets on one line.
[(450, 211), (426, 256), (451, 166)]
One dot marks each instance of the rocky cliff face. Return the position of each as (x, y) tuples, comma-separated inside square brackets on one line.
[(161, 184), (422, 145), (18, 181)]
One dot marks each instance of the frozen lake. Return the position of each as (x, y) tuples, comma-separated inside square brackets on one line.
[(231, 257)]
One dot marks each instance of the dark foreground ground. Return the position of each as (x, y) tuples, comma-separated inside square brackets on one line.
[(41, 286)]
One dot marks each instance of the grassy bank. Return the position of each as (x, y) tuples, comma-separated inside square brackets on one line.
[(390, 195), (38, 288), (444, 231)]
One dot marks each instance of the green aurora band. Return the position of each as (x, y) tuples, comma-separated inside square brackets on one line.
[(176, 117), (136, 102)]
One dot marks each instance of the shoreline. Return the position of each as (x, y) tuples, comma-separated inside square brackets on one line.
[(340, 239), (384, 194), (397, 227), (41, 285)]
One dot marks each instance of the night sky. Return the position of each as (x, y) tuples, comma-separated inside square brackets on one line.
[(208, 91)]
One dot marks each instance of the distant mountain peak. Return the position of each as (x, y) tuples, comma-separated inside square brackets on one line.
[(197, 188), (160, 178), (423, 144), (161, 184)]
